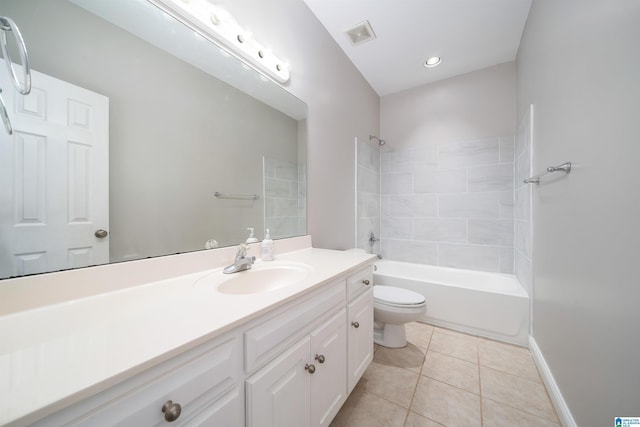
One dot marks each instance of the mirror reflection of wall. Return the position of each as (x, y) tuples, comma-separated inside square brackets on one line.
[(177, 135)]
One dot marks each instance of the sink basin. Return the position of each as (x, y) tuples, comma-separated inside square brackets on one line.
[(263, 277)]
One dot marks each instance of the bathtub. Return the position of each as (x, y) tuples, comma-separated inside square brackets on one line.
[(491, 305)]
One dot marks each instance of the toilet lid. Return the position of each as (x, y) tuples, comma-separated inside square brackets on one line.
[(396, 296)]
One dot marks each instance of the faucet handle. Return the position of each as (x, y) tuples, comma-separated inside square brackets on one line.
[(242, 251)]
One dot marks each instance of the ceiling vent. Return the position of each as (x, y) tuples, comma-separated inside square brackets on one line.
[(361, 33)]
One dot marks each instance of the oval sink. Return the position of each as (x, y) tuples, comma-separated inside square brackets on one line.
[(261, 278)]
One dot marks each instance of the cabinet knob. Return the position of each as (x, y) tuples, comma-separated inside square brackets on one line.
[(310, 368), (171, 411), (320, 358), (355, 324), (366, 281)]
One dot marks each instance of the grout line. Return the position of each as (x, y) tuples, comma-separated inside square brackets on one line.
[(415, 388)]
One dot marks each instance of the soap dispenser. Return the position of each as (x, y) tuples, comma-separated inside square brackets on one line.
[(267, 247), (251, 238)]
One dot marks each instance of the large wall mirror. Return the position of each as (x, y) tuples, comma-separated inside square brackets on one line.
[(133, 125)]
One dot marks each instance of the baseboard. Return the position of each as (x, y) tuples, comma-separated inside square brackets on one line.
[(566, 419)]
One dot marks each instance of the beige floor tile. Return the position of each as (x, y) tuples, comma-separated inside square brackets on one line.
[(409, 357), (419, 334), (368, 410), (389, 382), (415, 420), (455, 344), (517, 392), (446, 404), (496, 414), (508, 358), (453, 371)]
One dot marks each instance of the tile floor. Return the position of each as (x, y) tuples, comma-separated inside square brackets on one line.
[(446, 378)]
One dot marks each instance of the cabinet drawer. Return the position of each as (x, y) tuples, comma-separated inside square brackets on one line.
[(359, 282), (291, 322), (197, 380)]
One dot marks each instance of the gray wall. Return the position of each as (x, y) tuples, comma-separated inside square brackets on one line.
[(447, 172), (579, 64), (177, 135)]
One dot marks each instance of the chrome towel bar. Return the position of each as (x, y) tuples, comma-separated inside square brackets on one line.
[(565, 167), (236, 196)]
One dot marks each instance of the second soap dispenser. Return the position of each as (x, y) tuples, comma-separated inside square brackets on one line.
[(267, 247), (251, 238)]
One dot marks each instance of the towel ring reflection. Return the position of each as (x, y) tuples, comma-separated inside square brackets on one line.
[(6, 25), (5, 116)]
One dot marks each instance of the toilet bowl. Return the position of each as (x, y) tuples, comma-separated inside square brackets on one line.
[(392, 308)]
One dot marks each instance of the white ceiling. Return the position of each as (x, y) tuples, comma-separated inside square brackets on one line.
[(468, 34)]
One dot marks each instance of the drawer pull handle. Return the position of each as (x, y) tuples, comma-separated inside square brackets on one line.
[(310, 368), (171, 411), (355, 324), (320, 358), (366, 282)]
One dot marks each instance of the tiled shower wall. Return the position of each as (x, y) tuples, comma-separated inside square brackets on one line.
[(367, 194), (282, 193), (523, 201), (450, 204)]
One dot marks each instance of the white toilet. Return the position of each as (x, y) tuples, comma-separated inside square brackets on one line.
[(392, 308)]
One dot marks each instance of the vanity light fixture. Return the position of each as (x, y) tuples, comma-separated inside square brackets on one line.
[(218, 26), (434, 61)]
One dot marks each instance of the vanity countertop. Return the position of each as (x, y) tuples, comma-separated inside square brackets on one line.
[(59, 354)]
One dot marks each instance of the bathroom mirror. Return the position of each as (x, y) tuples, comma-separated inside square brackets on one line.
[(183, 121)]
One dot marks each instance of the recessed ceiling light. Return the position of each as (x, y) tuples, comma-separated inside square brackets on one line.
[(433, 61)]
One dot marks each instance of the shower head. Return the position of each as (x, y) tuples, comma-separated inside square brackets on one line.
[(381, 142)]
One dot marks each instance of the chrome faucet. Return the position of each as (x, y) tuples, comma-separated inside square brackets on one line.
[(242, 261)]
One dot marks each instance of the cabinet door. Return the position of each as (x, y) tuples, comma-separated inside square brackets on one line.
[(329, 382), (360, 337), (278, 394)]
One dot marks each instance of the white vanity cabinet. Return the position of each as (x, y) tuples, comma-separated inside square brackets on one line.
[(293, 365)]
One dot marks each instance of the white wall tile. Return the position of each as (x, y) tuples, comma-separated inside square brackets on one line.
[(506, 260), (491, 178), (368, 205), (469, 205), (417, 205), (395, 228), (411, 159), (440, 181), (523, 237), (491, 232), (469, 153), (368, 155), (472, 257), (507, 149), (410, 251), (506, 205), (440, 230), (368, 180), (396, 183)]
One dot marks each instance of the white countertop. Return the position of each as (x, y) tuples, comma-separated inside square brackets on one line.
[(59, 354)]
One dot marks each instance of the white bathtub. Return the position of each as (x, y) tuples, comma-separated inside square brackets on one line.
[(491, 305)]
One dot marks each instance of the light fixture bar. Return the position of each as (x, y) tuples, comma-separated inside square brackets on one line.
[(217, 25)]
